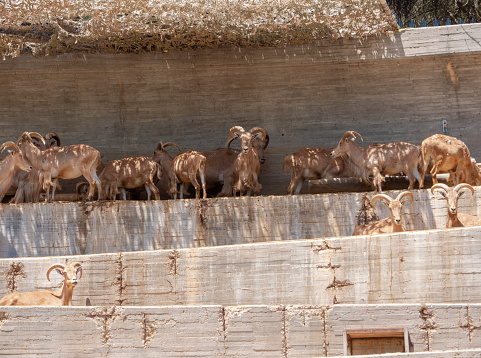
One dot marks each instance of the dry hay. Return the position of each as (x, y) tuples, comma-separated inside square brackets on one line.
[(52, 27)]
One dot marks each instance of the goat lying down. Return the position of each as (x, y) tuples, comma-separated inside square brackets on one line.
[(388, 225), (60, 297)]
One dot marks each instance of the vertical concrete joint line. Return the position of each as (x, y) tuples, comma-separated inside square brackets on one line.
[(119, 279), (324, 343), (284, 332)]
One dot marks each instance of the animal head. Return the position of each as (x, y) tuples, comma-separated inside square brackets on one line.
[(344, 143), (256, 138), (160, 154), (19, 160), (394, 205), (451, 194), (71, 273)]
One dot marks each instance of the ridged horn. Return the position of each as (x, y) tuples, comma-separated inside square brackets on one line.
[(354, 134), (403, 194), (440, 186), (9, 144), (458, 187), (161, 146), (53, 135), (259, 129), (54, 266), (381, 196), (232, 132), (38, 136)]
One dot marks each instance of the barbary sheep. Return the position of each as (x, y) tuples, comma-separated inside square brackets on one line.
[(60, 297), (388, 225), (316, 163), (67, 162), (455, 218), (448, 154), (381, 159), (130, 173)]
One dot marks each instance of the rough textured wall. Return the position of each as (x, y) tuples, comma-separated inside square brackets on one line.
[(434, 266), (89, 228), (225, 331), (393, 87)]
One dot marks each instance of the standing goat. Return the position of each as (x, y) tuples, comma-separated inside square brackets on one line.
[(130, 173), (245, 177), (183, 169), (455, 218), (60, 297), (27, 184), (9, 165), (316, 163), (381, 159), (220, 164), (62, 162), (448, 154), (387, 225)]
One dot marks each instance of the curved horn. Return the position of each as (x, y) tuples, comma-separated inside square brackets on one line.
[(9, 144), (232, 131), (54, 266), (25, 136), (458, 187), (440, 186), (78, 266), (55, 136), (403, 194), (259, 129), (354, 134), (170, 144), (380, 196), (38, 136)]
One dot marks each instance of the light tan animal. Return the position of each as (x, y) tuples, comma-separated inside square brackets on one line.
[(13, 162), (245, 177), (67, 162), (448, 154), (455, 218), (381, 159), (315, 163), (130, 173), (388, 225), (220, 164), (27, 184), (60, 297), (186, 168)]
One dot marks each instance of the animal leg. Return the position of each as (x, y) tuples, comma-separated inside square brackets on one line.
[(195, 183), (202, 180), (124, 194), (300, 183)]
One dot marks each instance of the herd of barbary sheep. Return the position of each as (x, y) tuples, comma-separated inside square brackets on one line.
[(36, 163)]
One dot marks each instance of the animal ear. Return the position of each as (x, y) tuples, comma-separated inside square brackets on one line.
[(60, 271), (461, 193)]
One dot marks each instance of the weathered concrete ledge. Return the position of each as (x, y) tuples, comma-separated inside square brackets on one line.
[(227, 331), (423, 266), (61, 228)]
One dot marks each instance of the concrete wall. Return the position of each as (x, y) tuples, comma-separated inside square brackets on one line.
[(394, 87), (224, 331), (89, 228), (433, 266)]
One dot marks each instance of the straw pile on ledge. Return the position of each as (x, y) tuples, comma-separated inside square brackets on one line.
[(52, 27)]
